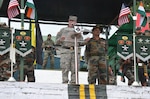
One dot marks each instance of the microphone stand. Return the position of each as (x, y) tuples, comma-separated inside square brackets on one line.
[(76, 59), (76, 54)]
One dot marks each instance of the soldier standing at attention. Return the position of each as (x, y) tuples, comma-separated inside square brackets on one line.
[(28, 66), (95, 57), (5, 67), (49, 49), (66, 41), (126, 70)]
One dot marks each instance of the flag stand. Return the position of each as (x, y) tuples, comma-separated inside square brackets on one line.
[(11, 79), (22, 27), (135, 83), (76, 60)]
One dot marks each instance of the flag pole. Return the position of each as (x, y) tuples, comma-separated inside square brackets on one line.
[(76, 60), (22, 11), (11, 57), (135, 83)]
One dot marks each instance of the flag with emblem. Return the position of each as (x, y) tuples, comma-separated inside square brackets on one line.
[(13, 10), (5, 36), (123, 16), (124, 46), (142, 14), (142, 44), (23, 42)]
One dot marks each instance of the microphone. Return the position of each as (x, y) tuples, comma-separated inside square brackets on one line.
[(86, 31)]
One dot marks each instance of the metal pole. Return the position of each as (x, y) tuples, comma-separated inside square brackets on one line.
[(11, 77), (22, 27), (76, 59), (135, 83)]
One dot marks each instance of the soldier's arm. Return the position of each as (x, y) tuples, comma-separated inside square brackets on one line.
[(84, 42), (58, 37), (43, 45), (87, 52)]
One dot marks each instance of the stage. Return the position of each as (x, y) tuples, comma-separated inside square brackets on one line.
[(48, 86)]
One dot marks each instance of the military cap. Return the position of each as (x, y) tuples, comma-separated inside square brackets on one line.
[(74, 18), (49, 35), (97, 26)]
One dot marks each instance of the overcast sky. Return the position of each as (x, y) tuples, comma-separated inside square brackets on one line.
[(47, 28)]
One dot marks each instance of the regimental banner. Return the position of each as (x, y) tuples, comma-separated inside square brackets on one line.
[(125, 46), (23, 42), (142, 45), (5, 40)]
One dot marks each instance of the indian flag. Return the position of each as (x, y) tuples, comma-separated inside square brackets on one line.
[(143, 17), (31, 9)]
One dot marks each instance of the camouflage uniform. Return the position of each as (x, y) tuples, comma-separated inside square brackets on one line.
[(5, 72), (28, 66), (126, 67), (67, 61), (142, 72), (48, 51), (96, 60)]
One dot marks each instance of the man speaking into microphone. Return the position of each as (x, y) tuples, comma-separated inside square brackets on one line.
[(65, 38)]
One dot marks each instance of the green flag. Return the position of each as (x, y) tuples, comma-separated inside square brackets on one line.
[(124, 46), (23, 42), (142, 44), (5, 39)]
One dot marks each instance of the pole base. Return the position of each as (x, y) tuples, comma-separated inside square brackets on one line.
[(135, 83), (11, 79)]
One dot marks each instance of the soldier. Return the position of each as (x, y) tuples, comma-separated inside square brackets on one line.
[(126, 70), (142, 72), (147, 32), (28, 66), (95, 57), (5, 67), (49, 50), (65, 39)]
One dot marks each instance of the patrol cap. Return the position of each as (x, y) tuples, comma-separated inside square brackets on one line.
[(97, 26), (49, 35), (74, 18)]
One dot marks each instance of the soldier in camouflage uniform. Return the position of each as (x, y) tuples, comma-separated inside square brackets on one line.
[(28, 66), (5, 72), (66, 41), (126, 70), (49, 49), (95, 57)]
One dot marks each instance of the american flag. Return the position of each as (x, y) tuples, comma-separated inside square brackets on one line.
[(123, 16), (13, 9)]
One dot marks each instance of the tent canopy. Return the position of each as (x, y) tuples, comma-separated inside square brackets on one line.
[(88, 11)]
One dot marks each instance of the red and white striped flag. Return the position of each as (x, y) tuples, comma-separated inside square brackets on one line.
[(13, 10), (123, 16)]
